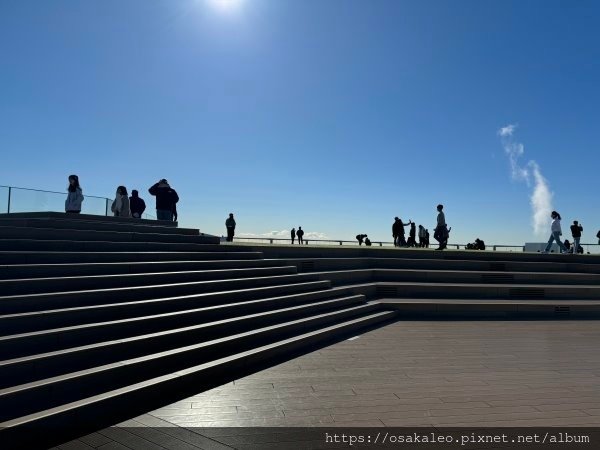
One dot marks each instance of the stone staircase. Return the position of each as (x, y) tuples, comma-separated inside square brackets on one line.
[(102, 319)]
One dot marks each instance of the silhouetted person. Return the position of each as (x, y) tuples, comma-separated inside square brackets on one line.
[(598, 236), (479, 244), (120, 205), (293, 235), (166, 198), (576, 230), (412, 234), (401, 239), (441, 230), (137, 205), (556, 232), (426, 238), (74, 196), (300, 235), (396, 226), (567, 245), (367, 242), (422, 236), (360, 238), (230, 225)]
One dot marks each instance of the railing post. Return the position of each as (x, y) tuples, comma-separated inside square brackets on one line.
[(494, 248), (106, 212), (9, 195), (340, 242), (381, 244), (271, 240)]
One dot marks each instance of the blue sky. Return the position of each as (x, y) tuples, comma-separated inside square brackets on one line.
[(334, 115)]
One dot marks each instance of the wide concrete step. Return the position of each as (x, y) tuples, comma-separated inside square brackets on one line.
[(344, 277), (203, 244), (14, 304), (486, 291), (51, 215), (7, 232), (572, 265), (471, 277), (33, 356), (74, 258), (108, 408), (52, 392), (214, 304), (95, 225), (77, 283), (21, 271), (318, 251), (425, 308)]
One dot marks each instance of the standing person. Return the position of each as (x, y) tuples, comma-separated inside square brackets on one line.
[(166, 198), (401, 239), (556, 232), (120, 205), (293, 235), (426, 238), (359, 238), (74, 196), (576, 230), (422, 236), (396, 230), (136, 204), (300, 235), (230, 225), (441, 230), (412, 234)]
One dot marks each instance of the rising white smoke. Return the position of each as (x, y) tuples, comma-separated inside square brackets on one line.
[(541, 196)]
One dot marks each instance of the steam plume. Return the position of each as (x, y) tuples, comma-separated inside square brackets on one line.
[(541, 196)]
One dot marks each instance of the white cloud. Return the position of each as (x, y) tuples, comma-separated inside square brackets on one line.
[(541, 196), (507, 130), (284, 234)]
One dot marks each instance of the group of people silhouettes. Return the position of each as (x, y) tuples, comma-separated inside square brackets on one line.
[(297, 234), (125, 206), (166, 209), (441, 232)]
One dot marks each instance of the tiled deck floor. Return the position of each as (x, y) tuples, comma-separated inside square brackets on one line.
[(472, 373)]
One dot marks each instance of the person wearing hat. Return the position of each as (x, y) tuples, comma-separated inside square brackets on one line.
[(166, 198)]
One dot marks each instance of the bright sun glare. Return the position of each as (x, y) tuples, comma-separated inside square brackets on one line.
[(226, 5)]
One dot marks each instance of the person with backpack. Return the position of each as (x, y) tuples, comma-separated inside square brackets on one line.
[(136, 204), (120, 205), (74, 196), (441, 230), (300, 235), (576, 230), (556, 232), (166, 198)]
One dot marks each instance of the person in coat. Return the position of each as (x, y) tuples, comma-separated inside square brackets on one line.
[(74, 196), (230, 225), (120, 206), (166, 198), (137, 205)]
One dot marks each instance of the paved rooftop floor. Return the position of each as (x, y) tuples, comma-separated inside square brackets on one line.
[(417, 373)]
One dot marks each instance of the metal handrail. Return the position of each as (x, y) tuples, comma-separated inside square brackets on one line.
[(273, 240)]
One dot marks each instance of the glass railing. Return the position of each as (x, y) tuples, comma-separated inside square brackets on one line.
[(19, 200)]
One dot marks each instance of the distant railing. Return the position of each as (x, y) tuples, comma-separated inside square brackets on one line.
[(17, 199), (337, 242)]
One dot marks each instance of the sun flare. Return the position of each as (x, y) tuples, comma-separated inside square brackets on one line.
[(226, 5)]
